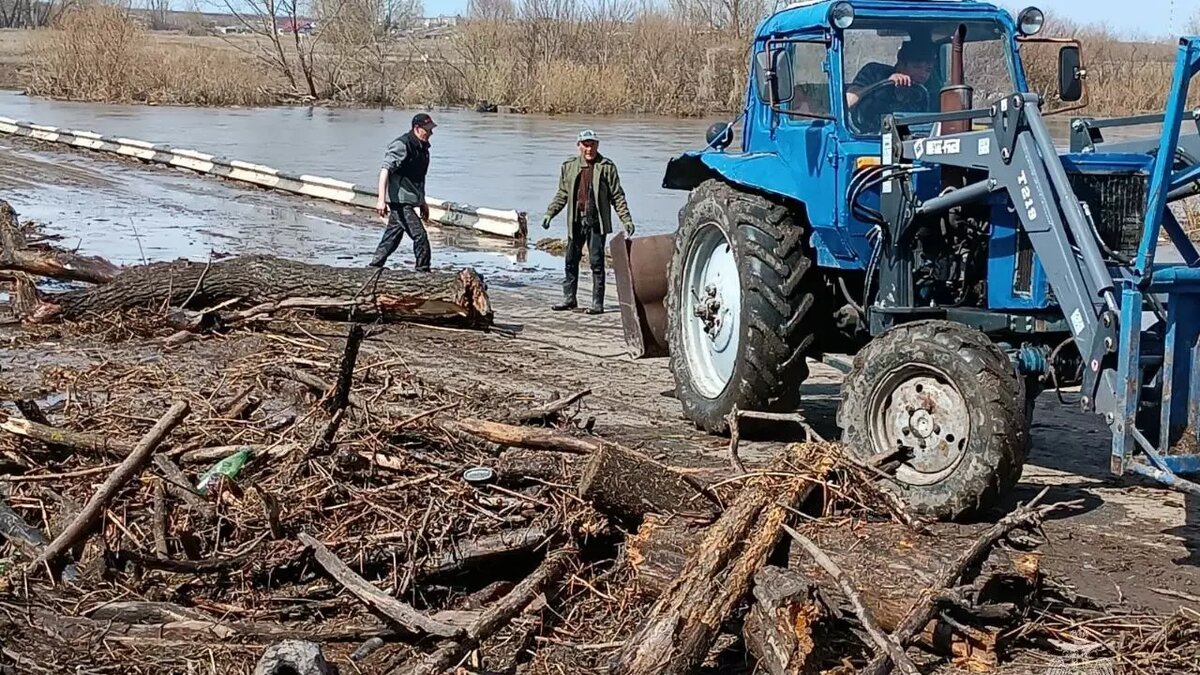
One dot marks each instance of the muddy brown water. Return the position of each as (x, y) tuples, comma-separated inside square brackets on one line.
[(494, 160)]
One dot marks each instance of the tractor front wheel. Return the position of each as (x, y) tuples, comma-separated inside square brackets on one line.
[(742, 287), (950, 398)]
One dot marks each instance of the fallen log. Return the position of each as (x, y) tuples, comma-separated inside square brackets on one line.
[(888, 563), (467, 553), (884, 643), (519, 437), (924, 610), (629, 485), (74, 440), (684, 621), (26, 302), (779, 626), (399, 612), (453, 297), (17, 256), (658, 551)]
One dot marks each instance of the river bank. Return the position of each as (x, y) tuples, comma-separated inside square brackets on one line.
[(577, 61)]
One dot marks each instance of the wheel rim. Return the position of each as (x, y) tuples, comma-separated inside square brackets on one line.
[(919, 408), (711, 310)]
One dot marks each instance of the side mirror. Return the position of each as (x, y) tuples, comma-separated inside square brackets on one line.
[(784, 86), (1070, 74), (773, 78)]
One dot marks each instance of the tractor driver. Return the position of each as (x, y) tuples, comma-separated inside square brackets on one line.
[(914, 66)]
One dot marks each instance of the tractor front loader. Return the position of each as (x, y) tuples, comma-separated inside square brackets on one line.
[(947, 253)]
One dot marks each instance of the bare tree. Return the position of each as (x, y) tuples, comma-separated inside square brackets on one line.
[(284, 42), (31, 13)]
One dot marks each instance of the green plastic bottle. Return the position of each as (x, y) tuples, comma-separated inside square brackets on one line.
[(226, 468)]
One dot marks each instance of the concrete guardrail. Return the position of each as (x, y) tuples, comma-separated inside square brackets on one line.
[(495, 222)]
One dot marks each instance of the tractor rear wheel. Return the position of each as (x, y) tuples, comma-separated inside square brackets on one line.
[(951, 397), (742, 287)]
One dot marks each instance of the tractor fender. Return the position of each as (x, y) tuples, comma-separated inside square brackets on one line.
[(758, 171)]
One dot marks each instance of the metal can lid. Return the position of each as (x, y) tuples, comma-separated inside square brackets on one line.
[(478, 474)]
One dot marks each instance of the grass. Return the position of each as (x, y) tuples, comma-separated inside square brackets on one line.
[(564, 60)]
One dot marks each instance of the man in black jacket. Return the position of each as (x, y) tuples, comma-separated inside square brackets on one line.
[(402, 193)]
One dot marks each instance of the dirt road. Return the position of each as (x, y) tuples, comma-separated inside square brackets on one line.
[(1128, 538)]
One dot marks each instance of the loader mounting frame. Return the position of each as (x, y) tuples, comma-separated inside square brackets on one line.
[(1103, 304)]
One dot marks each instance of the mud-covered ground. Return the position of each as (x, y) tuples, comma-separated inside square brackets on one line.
[(1129, 540)]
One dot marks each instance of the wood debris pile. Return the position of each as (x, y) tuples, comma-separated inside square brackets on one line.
[(384, 523)]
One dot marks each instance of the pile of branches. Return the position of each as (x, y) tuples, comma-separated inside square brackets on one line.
[(383, 523)]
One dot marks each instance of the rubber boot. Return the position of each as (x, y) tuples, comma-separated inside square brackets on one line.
[(597, 295)]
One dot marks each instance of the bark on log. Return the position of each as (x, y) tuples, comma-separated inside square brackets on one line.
[(467, 553), (889, 564), (75, 440), (519, 466), (778, 627), (658, 551), (684, 621), (629, 485), (457, 297), (519, 437)]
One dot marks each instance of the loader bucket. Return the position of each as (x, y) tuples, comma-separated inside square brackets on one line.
[(640, 266)]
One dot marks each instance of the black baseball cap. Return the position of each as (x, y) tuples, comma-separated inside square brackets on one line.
[(423, 120), (917, 49)]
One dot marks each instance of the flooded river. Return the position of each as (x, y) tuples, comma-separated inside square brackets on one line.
[(500, 161), (128, 213)]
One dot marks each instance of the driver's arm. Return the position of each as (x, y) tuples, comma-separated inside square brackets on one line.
[(866, 76)]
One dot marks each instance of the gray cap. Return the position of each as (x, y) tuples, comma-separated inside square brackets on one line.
[(587, 135)]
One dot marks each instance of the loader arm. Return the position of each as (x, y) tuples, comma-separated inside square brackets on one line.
[(1102, 303)]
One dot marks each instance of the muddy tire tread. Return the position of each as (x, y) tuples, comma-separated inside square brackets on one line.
[(972, 488), (778, 296)]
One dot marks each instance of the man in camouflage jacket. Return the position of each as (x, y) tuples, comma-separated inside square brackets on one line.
[(589, 188)]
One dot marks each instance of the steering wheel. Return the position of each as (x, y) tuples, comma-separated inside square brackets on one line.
[(870, 123)]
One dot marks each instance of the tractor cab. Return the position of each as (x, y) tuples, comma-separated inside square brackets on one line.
[(823, 74)]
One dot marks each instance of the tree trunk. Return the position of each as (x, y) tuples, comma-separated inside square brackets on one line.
[(778, 628), (684, 621), (889, 565), (25, 301), (459, 297), (629, 485), (658, 551)]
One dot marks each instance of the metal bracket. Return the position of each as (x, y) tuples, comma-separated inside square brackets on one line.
[(1007, 118), (1101, 349)]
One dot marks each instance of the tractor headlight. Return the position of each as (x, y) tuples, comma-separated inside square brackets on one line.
[(841, 15), (1030, 21)]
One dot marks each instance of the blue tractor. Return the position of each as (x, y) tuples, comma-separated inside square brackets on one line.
[(899, 198)]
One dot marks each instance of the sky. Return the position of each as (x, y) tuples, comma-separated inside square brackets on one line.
[(1135, 18)]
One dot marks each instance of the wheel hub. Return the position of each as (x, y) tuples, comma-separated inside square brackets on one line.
[(710, 311), (713, 308), (919, 411)]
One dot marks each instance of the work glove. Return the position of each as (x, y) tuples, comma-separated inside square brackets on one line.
[(545, 223), (629, 229)]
